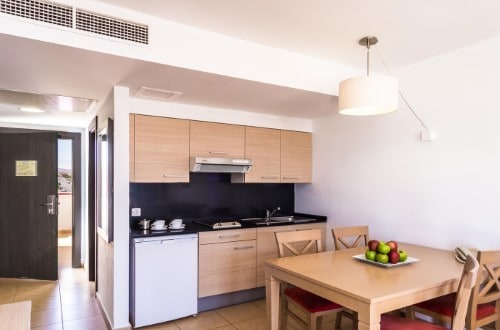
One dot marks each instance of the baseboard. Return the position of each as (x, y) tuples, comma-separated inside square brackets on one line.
[(106, 317)]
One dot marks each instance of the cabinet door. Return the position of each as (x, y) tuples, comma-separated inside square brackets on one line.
[(216, 140), (161, 149), (131, 147), (262, 146), (226, 267), (267, 247), (296, 157)]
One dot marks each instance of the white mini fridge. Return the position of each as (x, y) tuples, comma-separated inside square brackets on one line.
[(164, 278)]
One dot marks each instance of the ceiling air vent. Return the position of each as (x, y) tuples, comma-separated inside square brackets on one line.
[(158, 94), (42, 11), (111, 27)]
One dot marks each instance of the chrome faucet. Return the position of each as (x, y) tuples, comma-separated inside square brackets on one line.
[(270, 214)]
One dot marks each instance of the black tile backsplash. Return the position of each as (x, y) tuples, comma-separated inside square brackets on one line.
[(209, 196)]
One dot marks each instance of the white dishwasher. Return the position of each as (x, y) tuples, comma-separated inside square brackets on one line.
[(164, 283)]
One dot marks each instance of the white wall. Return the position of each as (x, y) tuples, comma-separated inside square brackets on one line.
[(194, 112), (105, 252), (65, 211), (444, 193)]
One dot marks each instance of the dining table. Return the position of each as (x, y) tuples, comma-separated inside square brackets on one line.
[(366, 287)]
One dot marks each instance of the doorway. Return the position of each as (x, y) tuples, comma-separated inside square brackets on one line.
[(65, 192), (29, 202)]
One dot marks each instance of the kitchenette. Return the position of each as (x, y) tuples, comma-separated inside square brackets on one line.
[(233, 187)]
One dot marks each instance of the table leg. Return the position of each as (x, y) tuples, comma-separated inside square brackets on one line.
[(368, 319), (272, 301)]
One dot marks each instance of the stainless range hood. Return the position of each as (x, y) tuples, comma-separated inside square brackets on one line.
[(219, 165)]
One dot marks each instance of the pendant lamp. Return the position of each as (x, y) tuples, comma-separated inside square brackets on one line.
[(368, 95)]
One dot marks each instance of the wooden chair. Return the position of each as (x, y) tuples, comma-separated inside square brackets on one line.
[(348, 238), (298, 243), (485, 300), (467, 283)]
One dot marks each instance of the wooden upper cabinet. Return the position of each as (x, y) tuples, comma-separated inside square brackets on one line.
[(296, 157), (161, 149), (216, 140), (262, 146), (131, 147)]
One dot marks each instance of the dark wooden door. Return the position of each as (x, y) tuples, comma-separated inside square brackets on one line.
[(28, 233)]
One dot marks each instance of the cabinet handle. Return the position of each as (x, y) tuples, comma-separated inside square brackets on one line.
[(217, 152), (243, 247), (229, 236), (269, 177), (173, 176), (290, 177)]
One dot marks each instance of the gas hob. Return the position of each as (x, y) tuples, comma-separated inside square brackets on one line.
[(218, 224)]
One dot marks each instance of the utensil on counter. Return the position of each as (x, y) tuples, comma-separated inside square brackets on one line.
[(144, 224)]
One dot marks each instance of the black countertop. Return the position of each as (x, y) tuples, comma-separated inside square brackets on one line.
[(192, 228)]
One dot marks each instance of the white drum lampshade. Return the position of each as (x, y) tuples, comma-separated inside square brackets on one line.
[(368, 95)]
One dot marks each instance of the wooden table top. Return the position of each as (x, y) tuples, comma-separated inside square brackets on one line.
[(338, 271), (15, 316)]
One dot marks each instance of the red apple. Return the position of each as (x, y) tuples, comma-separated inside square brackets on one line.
[(373, 245), (393, 257), (393, 245)]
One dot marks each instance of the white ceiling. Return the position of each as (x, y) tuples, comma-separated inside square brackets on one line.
[(408, 31)]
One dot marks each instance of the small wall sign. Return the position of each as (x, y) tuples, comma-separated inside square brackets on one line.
[(26, 167)]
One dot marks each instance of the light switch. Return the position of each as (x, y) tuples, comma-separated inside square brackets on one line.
[(136, 212)]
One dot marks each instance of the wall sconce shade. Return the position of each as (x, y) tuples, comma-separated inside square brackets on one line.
[(368, 95)]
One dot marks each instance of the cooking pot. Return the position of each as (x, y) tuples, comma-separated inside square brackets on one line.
[(144, 224)]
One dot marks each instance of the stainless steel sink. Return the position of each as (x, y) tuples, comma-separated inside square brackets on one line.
[(277, 220)]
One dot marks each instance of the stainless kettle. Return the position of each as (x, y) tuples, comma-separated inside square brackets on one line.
[(144, 224)]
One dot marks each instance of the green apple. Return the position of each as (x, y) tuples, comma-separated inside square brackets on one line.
[(382, 258), (370, 255), (383, 248), (402, 255)]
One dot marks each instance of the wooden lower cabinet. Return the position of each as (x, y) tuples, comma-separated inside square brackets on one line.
[(268, 249), (227, 261)]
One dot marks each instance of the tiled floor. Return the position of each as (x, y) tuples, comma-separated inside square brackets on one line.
[(66, 304), (70, 304)]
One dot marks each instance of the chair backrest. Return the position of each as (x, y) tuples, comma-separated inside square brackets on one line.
[(467, 282), (487, 289), (311, 240), (350, 237)]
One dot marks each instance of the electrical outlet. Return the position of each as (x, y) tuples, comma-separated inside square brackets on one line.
[(136, 212)]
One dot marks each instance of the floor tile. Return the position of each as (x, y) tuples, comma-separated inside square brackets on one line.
[(40, 303), (54, 326), (242, 312), (162, 326), (45, 317), (5, 281), (253, 324), (7, 298), (80, 311), (94, 323), (205, 320), (261, 303)]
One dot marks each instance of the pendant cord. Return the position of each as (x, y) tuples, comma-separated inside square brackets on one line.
[(401, 93)]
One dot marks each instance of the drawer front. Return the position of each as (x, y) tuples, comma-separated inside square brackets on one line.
[(226, 267), (228, 235)]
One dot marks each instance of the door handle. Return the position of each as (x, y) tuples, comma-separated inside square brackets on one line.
[(51, 204)]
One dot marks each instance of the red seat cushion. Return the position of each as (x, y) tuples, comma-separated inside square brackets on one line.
[(311, 302), (445, 305), (391, 322)]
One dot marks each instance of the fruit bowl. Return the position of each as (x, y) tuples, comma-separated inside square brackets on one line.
[(362, 257)]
